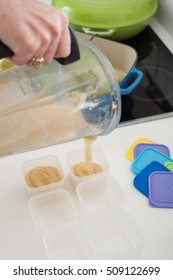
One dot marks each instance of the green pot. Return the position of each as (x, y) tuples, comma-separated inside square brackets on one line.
[(112, 19)]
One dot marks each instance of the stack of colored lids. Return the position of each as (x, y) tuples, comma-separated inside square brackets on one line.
[(153, 169)]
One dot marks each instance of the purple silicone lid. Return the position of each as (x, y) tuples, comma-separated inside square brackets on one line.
[(159, 147), (160, 186)]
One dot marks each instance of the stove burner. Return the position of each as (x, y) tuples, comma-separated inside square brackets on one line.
[(156, 85)]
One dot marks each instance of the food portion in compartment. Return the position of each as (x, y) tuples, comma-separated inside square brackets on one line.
[(42, 176), (82, 169)]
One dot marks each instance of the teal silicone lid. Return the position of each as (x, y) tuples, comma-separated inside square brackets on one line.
[(146, 157), (159, 147), (107, 14)]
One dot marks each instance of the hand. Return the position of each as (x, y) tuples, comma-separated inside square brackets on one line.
[(32, 29)]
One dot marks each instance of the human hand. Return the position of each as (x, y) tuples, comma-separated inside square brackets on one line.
[(32, 29)]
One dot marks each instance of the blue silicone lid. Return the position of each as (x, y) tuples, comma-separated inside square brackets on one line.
[(146, 157), (161, 189), (159, 147), (141, 180)]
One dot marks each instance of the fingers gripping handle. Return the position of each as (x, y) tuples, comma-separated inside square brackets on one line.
[(74, 55)]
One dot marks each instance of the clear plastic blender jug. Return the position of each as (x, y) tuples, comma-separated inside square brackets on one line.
[(58, 103)]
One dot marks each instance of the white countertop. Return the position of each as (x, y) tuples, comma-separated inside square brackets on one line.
[(20, 240)]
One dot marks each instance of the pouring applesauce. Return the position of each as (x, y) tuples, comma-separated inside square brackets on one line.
[(88, 167), (58, 103)]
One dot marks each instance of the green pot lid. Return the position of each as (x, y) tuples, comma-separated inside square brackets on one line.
[(107, 14)]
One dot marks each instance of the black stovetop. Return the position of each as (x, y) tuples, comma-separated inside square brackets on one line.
[(154, 96)]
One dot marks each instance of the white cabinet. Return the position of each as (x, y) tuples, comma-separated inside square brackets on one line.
[(165, 14)]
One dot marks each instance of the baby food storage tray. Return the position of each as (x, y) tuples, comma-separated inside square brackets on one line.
[(82, 217)]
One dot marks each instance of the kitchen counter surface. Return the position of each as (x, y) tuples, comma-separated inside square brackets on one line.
[(18, 237)]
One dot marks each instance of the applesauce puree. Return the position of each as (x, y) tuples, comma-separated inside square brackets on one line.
[(42, 176), (87, 167)]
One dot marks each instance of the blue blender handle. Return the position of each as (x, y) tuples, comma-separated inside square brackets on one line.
[(73, 56), (131, 81)]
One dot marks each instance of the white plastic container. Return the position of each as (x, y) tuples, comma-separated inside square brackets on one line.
[(77, 156), (52, 208), (69, 242), (48, 160), (99, 195), (117, 236)]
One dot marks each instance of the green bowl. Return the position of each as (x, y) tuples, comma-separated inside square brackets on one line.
[(114, 19)]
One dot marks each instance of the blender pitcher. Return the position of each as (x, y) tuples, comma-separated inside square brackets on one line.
[(58, 102)]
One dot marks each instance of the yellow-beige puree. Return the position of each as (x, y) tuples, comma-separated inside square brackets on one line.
[(42, 176), (87, 167)]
